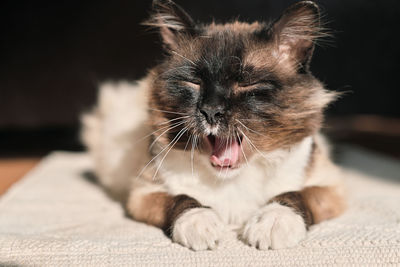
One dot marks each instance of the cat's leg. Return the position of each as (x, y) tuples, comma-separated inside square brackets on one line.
[(181, 217), (283, 222)]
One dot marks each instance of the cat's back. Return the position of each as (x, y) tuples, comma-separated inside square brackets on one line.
[(114, 129)]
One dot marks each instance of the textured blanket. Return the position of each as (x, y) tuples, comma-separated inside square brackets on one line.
[(57, 217)]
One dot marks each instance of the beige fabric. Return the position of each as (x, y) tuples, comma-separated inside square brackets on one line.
[(55, 217)]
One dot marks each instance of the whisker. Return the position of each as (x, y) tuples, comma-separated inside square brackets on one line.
[(226, 147), (167, 71), (241, 147), (251, 143), (192, 153), (187, 143), (148, 163), (174, 52), (179, 118), (230, 151), (186, 146), (166, 111), (257, 120), (148, 135), (169, 129), (177, 137), (251, 130)]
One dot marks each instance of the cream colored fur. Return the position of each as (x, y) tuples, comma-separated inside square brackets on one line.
[(274, 226), (116, 134)]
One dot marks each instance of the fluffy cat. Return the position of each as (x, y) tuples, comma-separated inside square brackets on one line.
[(224, 132)]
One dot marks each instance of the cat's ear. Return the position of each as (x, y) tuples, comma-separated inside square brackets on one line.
[(295, 33), (172, 21)]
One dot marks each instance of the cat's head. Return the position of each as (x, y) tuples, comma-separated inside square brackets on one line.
[(232, 90)]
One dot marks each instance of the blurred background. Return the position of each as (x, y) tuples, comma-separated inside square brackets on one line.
[(53, 54)]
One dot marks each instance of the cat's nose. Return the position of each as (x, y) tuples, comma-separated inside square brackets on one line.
[(212, 114)]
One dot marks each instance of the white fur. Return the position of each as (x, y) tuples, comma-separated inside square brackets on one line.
[(198, 229), (115, 131), (274, 226), (111, 132), (237, 197)]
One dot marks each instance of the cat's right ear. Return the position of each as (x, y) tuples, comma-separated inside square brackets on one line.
[(296, 32), (172, 21)]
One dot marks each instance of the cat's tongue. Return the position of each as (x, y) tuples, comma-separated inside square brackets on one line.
[(223, 154)]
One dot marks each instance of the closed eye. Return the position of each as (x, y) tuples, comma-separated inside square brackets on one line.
[(193, 84), (256, 85)]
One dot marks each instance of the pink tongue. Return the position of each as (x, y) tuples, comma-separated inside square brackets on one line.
[(223, 154)]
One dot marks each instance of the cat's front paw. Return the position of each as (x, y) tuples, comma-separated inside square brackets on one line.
[(274, 226), (198, 229)]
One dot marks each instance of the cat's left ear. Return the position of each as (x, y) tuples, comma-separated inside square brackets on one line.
[(172, 21), (295, 33)]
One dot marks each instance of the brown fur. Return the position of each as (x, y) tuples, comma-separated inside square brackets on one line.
[(295, 117), (236, 27), (179, 205), (314, 204), (324, 202), (161, 209), (295, 111), (273, 59), (247, 84), (294, 114), (296, 201), (153, 208)]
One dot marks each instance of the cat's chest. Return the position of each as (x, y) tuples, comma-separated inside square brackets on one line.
[(234, 200)]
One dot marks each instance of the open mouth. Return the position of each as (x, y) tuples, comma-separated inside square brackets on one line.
[(225, 152)]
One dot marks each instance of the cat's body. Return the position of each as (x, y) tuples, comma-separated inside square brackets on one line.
[(194, 148)]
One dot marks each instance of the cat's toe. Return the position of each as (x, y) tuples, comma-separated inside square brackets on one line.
[(198, 229), (274, 226)]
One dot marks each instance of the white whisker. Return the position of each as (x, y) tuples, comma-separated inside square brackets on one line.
[(241, 147), (166, 111), (161, 74), (148, 163), (187, 143), (230, 151), (251, 130), (169, 129), (174, 52), (179, 118), (194, 140), (150, 134), (251, 143), (177, 137)]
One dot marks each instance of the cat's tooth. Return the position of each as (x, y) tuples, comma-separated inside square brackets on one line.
[(226, 162)]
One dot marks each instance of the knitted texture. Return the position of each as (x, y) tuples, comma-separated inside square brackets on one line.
[(56, 217)]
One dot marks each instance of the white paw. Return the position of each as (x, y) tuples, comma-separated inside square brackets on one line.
[(274, 226), (198, 229)]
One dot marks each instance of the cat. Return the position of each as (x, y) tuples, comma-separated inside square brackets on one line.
[(223, 134)]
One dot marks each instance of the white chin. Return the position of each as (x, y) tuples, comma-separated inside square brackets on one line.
[(226, 173)]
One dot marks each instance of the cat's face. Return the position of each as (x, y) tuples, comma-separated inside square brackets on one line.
[(236, 89)]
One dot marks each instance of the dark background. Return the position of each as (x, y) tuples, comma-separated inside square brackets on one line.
[(53, 54)]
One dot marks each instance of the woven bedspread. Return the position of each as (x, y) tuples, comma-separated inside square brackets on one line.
[(57, 217)]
